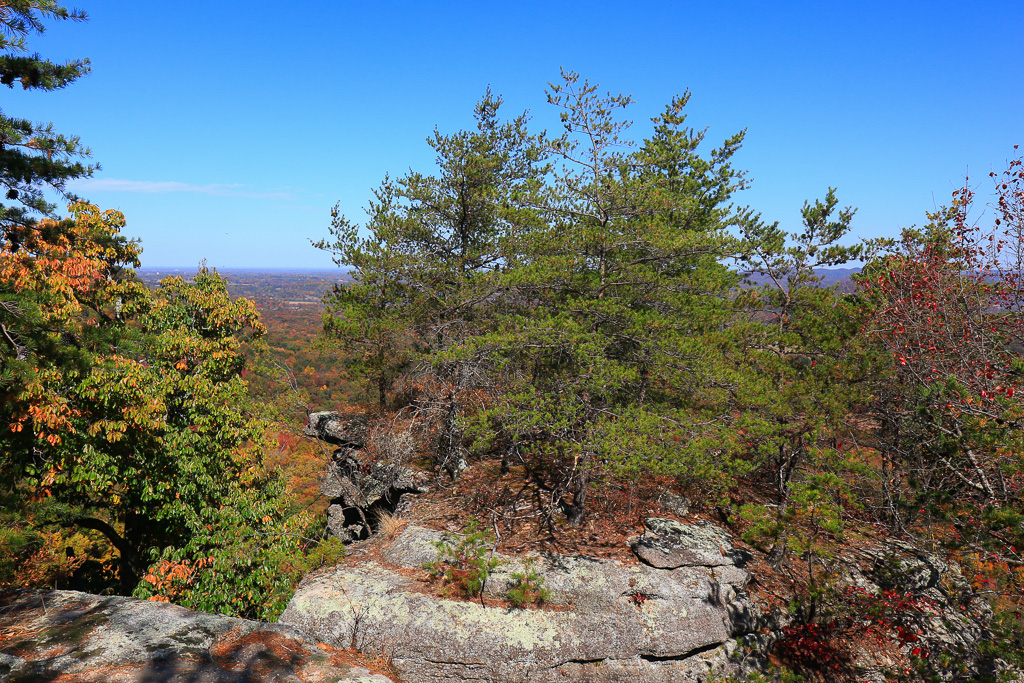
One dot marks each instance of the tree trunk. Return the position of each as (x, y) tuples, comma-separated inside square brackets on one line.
[(129, 568), (382, 386), (577, 510)]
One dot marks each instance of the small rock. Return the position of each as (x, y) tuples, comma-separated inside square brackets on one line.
[(355, 482), (668, 544), (341, 527), (673, 504), (414, 547)]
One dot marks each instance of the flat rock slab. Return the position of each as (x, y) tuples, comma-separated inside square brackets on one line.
[(77, 637), (668, 544), (604, 621)]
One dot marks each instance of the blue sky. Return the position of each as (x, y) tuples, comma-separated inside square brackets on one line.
[(228, 130)]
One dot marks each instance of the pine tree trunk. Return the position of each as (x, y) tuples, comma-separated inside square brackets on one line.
[(577, 510)]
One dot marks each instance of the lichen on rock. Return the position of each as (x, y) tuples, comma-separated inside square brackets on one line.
[(608, 620)]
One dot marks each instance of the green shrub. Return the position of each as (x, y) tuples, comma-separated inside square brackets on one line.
[(528, 587), (462, 563), (244, 560)]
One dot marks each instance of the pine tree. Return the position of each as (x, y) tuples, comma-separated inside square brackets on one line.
[(427, 275), (33, 160), (33, 157), (615, 364), (799, 351)]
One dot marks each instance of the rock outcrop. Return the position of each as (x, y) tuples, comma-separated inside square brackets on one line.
[(603, 620), (358, 484), (680, 615), (77, 637), (345, 431), (950, 619)]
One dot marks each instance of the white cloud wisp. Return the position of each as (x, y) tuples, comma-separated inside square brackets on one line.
[(86, 185)]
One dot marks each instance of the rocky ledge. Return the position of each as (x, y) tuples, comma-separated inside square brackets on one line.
[(603, 620), (76, 637), (678, 615)]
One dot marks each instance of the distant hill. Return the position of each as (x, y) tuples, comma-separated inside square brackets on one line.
[(309, 286), (296, 286), (843, 277)]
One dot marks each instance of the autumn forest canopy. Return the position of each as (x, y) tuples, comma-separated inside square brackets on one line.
[(575, 313)]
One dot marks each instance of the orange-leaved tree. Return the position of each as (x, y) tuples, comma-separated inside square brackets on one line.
[(124, 410), (66, 299)]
